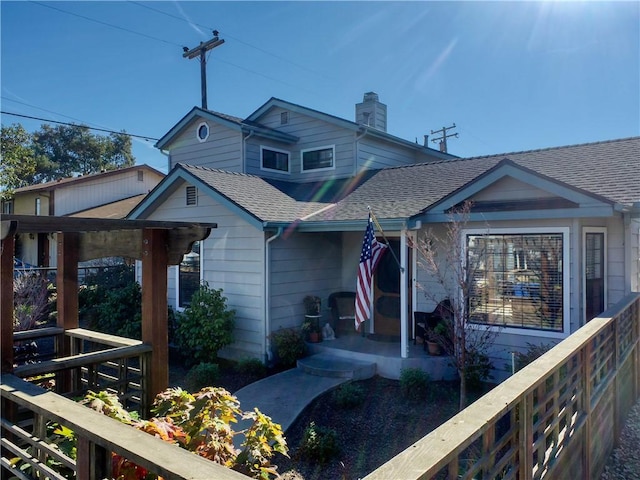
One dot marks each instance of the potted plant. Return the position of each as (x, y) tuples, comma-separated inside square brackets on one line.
[(310, 330), (435, 337), (312, 305)]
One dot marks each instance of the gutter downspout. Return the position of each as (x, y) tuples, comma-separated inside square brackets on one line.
[(358, 137), (267, 293), (244, 150)]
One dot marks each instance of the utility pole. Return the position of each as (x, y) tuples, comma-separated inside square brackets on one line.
[(200, 51), (443, 138)]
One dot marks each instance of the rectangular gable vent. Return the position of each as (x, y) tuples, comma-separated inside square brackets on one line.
[(192, 195), (284, 118)]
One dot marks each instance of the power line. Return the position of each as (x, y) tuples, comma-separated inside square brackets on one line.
[(106, 23), (76, 125), (275, 55)]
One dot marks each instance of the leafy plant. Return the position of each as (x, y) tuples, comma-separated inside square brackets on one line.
[(348, 395), (206, 325), (251, 367), (522, 359), (312, 305), (414, 383), (120, 313), (33, 299), (478, 368), (319, 443), (202, 423), (289, 345), (202, 375)]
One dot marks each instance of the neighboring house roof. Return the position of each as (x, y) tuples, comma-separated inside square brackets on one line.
[(71, 181), (117, 209)]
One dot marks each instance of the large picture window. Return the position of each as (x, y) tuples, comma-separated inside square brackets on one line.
[(317, 159), (517, 279), (274, 159), (189, 276)]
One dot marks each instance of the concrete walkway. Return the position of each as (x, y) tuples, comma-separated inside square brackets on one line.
[(283, 396)]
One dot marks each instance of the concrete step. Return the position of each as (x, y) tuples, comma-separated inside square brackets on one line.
[(327, 365)]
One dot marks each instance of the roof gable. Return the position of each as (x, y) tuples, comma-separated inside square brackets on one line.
[(537, 192), (250, 197)]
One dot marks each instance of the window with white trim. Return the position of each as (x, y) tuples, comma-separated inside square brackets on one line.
[(518, 279), (272, 159), (318, 158), (189, 276)]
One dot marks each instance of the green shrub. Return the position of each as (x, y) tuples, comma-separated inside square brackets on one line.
[(319, 443), (289, 346), (414, 383), (201, 376), (120, 312), (348, 395), (205, 326), (522, 359), (251, 367), (478, 369)]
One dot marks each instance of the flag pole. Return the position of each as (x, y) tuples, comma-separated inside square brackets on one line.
[(375, 220)]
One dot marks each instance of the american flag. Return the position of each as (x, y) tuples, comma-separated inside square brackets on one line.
[(372, 251)]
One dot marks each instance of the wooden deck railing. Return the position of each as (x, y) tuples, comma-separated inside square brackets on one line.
[(98, 361), (560, 416), (98, 437)]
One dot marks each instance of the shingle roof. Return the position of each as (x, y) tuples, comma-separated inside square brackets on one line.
[(117, 209), (255, 195), (610, 169)]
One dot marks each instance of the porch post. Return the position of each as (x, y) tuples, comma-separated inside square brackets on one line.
[(67, 302), (154, 308), (6, 302), (404, 296)]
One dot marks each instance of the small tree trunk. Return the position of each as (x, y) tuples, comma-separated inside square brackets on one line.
[(463, 391)]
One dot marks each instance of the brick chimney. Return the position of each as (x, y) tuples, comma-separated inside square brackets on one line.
[(371, 112)]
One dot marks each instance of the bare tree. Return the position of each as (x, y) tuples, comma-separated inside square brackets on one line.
[(451, 273)]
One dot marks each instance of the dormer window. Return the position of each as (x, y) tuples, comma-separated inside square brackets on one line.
[(202, 132), (318, 158), (273, 159)]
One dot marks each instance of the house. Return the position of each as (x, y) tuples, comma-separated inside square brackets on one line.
[(110, 194), (290, 189)]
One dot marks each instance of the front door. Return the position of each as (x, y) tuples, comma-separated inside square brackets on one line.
[(386, 293)]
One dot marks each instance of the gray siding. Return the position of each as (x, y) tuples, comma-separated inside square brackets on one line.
[(509, 188), (375, 154), (222, 149), (233, 260), (102, 191), (303, 264), (313, 133)]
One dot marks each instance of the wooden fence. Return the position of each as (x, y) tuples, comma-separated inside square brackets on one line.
[(98, 438), (98, 361), (559, 417)]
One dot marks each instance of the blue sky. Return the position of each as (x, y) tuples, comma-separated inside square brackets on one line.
[(511, 75)]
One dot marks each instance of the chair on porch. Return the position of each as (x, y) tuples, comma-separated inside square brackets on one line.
[(425, 322), (343, 312)]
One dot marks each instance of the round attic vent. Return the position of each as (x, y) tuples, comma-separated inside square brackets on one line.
[(202, 132)]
